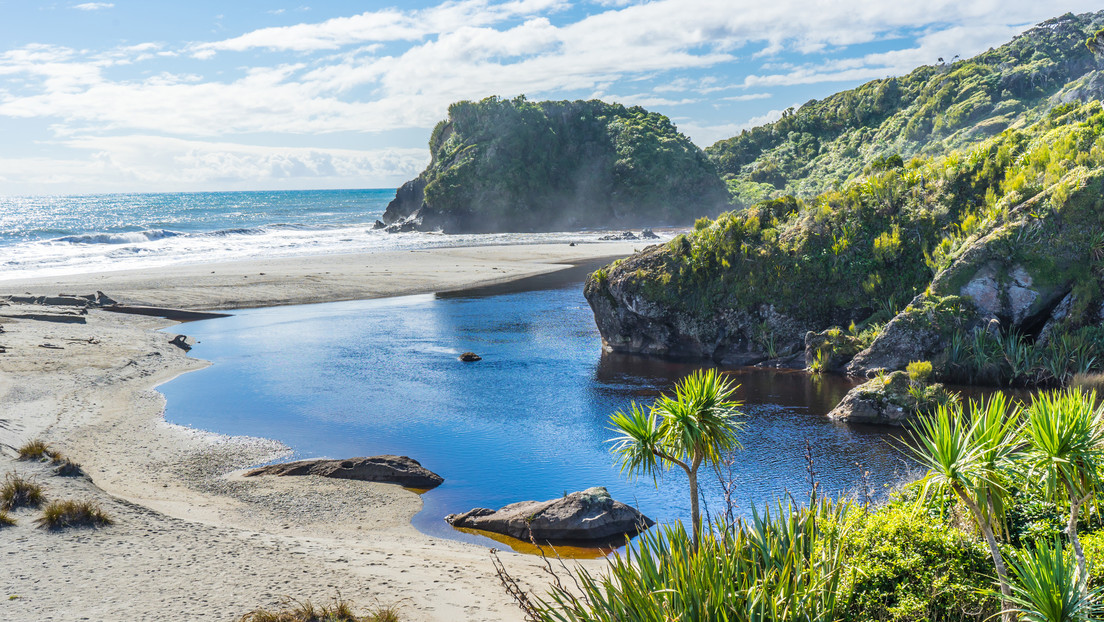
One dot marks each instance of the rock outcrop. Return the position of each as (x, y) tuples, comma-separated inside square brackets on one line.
[(587, 516), (512, 165), (879, 401), (399, 470), (639, 309)]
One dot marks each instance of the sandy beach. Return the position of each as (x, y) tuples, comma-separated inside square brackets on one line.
[(193, 540)]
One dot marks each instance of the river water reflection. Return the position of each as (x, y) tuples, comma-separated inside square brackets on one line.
[(527, 422)]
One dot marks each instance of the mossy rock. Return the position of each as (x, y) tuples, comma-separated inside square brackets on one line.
[(891, 399)]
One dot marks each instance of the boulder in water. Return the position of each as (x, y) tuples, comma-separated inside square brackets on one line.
[(587, 516)]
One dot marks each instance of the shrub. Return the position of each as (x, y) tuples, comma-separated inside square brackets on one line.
[(338, 611), (906, 565), (17, 492), (777, 566), (63, 514), (919, 371), (1093, 544)]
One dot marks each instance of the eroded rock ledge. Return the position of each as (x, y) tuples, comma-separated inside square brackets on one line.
[(399, 470)]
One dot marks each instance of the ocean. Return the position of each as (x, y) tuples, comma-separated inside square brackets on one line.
[(71, 234)]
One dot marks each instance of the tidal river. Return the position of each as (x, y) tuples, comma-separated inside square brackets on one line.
[(529, 421)]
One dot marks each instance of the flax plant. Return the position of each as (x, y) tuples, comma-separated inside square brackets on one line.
[(698, 425), (1065, 436), (786, 566), (1049, 587), (972, 454)]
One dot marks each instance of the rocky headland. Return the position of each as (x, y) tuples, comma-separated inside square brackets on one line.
[(511, 165)]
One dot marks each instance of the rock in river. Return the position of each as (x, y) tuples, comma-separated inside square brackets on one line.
[(399, 470), (590, 515)]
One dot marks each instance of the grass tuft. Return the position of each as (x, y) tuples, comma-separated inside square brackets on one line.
[(64, 514), (39, 450), (17, 492), (339, 610), (5, 519)]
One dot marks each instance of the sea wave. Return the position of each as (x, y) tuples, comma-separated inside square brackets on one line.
[(152, 248), (125, 237)]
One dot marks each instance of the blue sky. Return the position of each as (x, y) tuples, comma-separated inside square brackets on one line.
[(145, 95)]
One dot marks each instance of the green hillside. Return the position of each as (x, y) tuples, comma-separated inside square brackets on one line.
[(1008, 230), (934, 109)]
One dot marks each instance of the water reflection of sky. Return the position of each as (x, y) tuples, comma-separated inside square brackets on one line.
[(527, 422)]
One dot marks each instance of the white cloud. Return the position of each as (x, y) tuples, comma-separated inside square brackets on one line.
[(746, 97), (93, 6), (395, 68), (147, 161), (705, 135)]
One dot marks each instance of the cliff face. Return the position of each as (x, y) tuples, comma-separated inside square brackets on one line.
[(515, 165)]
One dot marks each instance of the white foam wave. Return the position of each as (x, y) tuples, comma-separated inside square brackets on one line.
[(126, 237), (96, 252)]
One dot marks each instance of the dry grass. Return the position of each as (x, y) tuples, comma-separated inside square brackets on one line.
[(305, 611), (17, 492), (1088, 382), (64, 514), (5, 520), (39, 450)]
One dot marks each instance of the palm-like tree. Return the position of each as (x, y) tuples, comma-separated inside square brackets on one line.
[(1065, 432), (972, 455), (698, 424)]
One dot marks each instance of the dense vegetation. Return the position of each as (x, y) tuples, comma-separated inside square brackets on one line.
[(1028, 479), (855, 256), (515, 165), (930, 111)]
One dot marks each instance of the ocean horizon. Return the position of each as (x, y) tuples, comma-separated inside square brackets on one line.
[(44, 236)]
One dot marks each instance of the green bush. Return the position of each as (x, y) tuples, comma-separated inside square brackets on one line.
[(906, 565), (919, 371), (783, 565)]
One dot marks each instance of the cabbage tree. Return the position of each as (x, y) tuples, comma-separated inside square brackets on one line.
[(1065, 433), (696, 425), (973, 456)]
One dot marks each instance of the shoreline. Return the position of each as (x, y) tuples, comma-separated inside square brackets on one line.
[(326, 278), (94, 398)]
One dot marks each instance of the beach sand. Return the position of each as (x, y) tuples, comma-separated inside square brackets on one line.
[(192, 540)]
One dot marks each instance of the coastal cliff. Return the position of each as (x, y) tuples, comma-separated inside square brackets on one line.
[(986, 260), (515, 165)]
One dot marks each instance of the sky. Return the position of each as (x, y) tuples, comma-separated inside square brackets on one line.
[(150, 95)]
